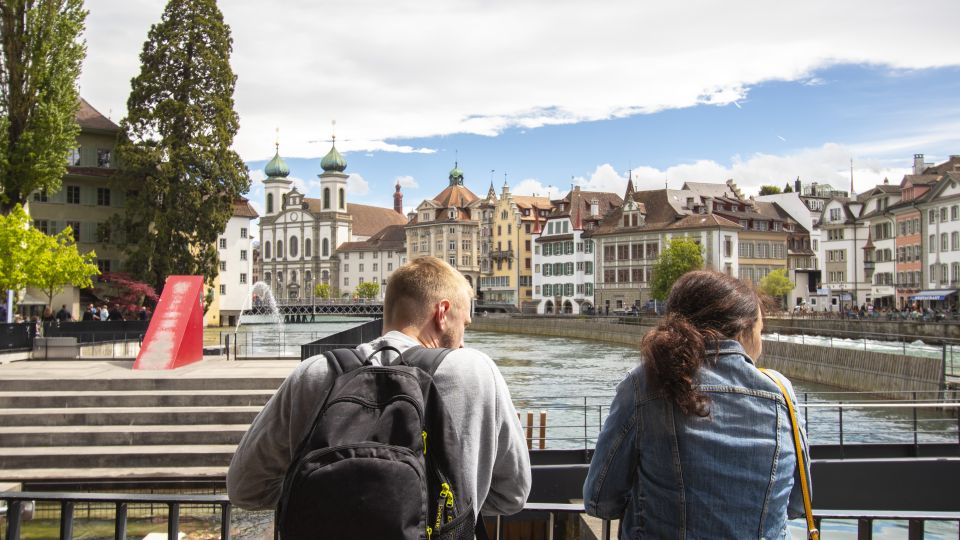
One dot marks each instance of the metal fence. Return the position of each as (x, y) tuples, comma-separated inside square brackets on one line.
[(17, 336), (123, 507)]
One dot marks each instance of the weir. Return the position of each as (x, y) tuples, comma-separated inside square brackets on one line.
[(892, 375)]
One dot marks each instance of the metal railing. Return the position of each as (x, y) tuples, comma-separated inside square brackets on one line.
[(832, 418), (17, 502)]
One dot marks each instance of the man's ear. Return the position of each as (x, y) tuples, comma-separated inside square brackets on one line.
[(440, 311)]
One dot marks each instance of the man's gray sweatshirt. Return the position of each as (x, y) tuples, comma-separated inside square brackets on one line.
[(473, 391)]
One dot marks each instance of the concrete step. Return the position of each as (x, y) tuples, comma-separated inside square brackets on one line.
[(34, 457), (68, 384), (64, 474), (70, 436), (134, 398), (128, 416)]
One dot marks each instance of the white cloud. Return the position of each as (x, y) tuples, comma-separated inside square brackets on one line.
[(827, 164), (356, 185), (534, 187), (407, 181), (386, 71)]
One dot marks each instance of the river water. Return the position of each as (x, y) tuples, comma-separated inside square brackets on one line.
[(573, 381)]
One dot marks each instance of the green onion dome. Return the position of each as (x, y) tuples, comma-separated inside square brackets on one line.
[(277, 168), (456, 175), (333, 161)]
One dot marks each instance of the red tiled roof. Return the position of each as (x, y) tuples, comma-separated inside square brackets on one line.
[(456, 196), (242, 208), (369, 220)]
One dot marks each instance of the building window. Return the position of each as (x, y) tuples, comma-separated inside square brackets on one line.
[(243, 232), (326, 247), (75, 227), (307, 248), (279, 249), (243, 254), (73, 194), (266, 250), (389, 267), (223, 290), (223, 266), (346, 267), (294, 246), (103, 196), (361, 267), (343, 199), (243, 278), (73, 157), (453, 261), (103, 157)]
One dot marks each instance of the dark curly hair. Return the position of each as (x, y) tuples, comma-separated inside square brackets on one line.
[(703, 307)]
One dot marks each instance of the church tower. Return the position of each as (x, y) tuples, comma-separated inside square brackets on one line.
[(398, 200), (276, 185), (333, 182)]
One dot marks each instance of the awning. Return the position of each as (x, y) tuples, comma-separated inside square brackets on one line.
[(30, 299), (941, 294)]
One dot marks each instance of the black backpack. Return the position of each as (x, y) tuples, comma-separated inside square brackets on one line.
[(381, 460)]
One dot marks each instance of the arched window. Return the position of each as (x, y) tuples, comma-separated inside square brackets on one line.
[(307, 251), (294, 246), (308, 276), (269, 203), (325, 276), (279, 249), (326, 248), (266, 250), (343, 199), (266, 278), (293, 276), (326, 198)]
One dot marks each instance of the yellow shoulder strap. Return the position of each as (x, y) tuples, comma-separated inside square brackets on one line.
[(812, 532)]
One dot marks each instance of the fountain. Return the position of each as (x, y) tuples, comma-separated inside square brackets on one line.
[(261, 290)]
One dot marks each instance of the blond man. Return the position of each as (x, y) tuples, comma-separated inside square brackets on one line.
[(427, 303)]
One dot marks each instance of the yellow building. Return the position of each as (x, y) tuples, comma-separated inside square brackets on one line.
[(512, 224)]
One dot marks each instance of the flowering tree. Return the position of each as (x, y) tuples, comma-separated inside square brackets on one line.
[(60, 263), (125, 291)]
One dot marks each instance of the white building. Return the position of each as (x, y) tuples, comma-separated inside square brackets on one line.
[(941, 209), (844, 235), (235, 248), (372, 260), (880, 254), (299, 236)]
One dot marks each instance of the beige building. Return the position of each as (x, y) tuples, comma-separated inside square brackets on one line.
[(448, 227), (513, 220)]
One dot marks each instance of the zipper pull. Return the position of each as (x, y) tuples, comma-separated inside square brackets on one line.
[(424, 434), (429, 532), (449, 496)]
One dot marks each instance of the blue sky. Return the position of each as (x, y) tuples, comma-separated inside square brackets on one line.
[(811, 128), (555, 91)]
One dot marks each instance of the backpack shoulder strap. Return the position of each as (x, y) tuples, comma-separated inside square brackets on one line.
[(343, 360), (426, 359)]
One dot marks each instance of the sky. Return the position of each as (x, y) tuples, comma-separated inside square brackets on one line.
[(546, 94)]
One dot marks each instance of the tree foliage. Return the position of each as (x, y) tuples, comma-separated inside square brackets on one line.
[(367, 289), (776, 284), (324, 291), (122, 289), (33, 259), (787, 188), (769, 190), (41, 52), (175, 145), (679, 257), (59, 263)]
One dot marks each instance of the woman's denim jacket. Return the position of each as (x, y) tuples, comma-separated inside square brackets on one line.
[(731, 474)]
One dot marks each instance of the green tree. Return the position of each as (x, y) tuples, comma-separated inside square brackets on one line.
[(787, 188), (323, 290), (19, 245), (769, 190), (59, 263), (367, 289), (41, 51), (776, 284), (679, 257), (175, 145)]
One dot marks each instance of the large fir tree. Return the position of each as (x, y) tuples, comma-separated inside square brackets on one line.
[(41, 52), (175, 145)]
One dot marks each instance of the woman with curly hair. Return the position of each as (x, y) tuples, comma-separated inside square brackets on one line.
[(698, 442)]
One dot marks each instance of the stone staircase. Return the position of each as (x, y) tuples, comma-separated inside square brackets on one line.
[(89, 428)]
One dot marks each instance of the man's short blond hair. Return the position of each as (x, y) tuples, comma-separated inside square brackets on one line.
[(414, 288)]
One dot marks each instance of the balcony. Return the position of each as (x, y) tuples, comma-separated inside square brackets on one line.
[(501, 254)]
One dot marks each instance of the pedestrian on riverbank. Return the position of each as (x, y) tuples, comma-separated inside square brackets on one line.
[(698, 442), (428, 304)]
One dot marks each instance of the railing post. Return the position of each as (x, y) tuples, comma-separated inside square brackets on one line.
[(915, 531), (173, 521), (66, 520), (916, 447), (840, 409), (585, 424), (225, 521), (13, 519), (864, 529), (227, 343), (120, 522)]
